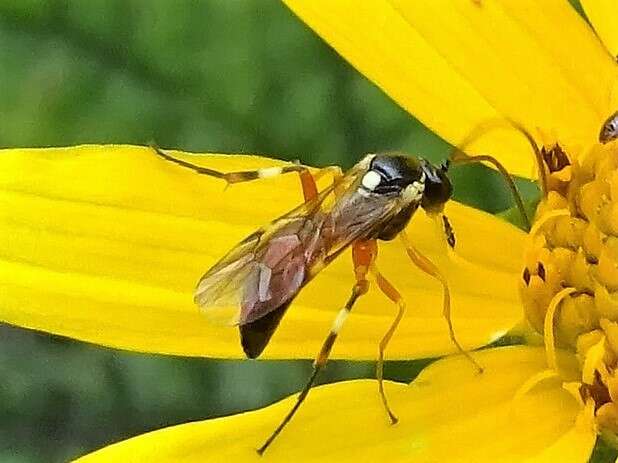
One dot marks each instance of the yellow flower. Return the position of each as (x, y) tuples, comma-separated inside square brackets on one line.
[(104, 244)]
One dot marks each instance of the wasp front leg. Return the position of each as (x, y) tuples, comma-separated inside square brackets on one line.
[(430, 268), (363, 255), (307, 179), (391, 292)]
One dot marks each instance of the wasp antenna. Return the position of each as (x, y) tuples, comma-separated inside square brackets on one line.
[(507, 177), (458, 154), (445, 165), (537, 154)]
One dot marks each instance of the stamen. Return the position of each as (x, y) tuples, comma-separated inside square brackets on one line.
[(546, 218), (585, 419), (574, 388), (548, 327), (529, 385), (555, 158), (592, 360), (532, 382), (540, 271), (526, 276)]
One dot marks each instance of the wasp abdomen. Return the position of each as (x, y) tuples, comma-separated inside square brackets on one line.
[(254, 336)]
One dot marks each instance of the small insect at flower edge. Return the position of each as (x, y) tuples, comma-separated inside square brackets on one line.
[(609, 129)]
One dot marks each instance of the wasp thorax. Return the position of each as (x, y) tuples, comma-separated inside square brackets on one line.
[(569, 286), (391, 174), (414, 179)]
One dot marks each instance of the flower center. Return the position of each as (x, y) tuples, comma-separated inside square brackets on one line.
[(569, 286)]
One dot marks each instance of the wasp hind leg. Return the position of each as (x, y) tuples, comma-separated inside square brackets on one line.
[(363, 254), (307, 179), (424, 264)]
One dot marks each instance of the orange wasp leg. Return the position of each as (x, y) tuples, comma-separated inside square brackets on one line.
[(363, 255), (430, 268), (391, 292), (307, 179)]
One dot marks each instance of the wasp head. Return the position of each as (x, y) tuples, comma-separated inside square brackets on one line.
[(415, 180), (438, 188)]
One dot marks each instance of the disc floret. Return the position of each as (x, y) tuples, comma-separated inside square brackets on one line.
[(569, 284)]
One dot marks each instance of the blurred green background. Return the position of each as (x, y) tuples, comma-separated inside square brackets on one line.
[(219, 76)]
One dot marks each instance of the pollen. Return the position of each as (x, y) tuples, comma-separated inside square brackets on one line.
[(569, 283)]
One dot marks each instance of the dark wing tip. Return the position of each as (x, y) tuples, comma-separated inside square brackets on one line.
[(254, 336)]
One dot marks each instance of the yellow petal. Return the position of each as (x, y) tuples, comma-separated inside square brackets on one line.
[(106, 243), (602, 15), (575, 445), (455, 64), (449, 413)]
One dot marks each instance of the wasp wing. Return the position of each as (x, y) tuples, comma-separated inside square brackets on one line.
[(266, 271), (231, 289), (218, 291), (260, 273)]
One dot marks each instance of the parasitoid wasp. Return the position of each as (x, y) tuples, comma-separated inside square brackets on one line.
[(253, 285)]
